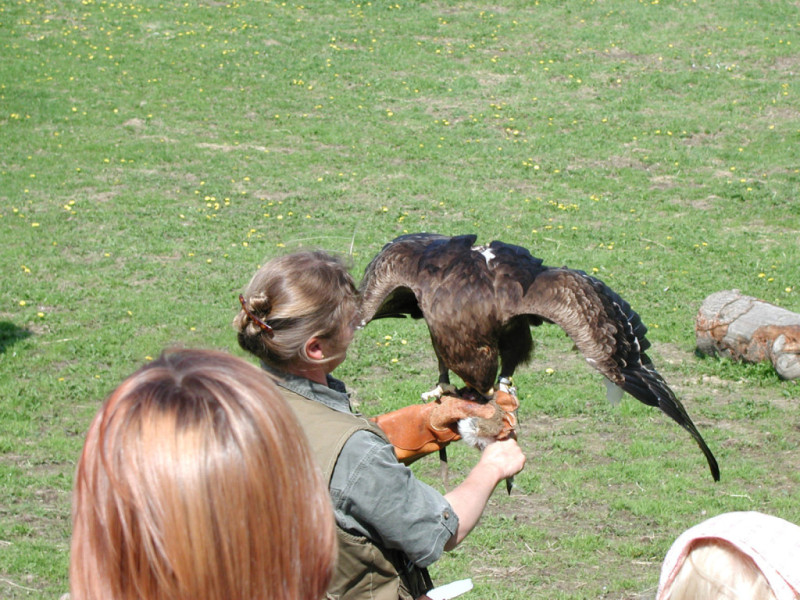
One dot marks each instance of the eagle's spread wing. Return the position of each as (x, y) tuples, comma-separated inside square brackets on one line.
[(607, 331), (392, 283)]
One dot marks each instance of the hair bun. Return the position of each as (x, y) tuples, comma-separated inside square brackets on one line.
[(264, 306), (260, 304)]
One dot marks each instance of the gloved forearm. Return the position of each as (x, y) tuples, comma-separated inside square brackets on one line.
[(420, 429)]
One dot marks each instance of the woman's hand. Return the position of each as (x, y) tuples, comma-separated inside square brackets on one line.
[(504, 457)]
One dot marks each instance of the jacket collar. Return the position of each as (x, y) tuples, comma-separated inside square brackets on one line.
[(334, 395)]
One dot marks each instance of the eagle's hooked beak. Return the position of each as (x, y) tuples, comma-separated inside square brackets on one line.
[(471, 393)]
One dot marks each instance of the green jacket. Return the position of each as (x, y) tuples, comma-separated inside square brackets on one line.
[(364, 570)]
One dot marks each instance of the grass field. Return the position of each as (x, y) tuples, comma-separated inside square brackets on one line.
[(154, 154)]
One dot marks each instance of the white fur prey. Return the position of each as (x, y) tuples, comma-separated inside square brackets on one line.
[(468, 430)]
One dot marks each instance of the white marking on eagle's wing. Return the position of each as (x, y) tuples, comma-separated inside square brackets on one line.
[(485, 251)]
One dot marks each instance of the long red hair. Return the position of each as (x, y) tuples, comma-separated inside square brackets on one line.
[(196, 482)]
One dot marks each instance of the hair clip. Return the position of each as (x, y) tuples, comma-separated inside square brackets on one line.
[(255, 319)]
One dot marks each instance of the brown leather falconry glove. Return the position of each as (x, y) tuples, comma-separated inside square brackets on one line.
[(420, 429), (508, 402)]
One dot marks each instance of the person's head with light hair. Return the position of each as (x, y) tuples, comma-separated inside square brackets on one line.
[(196, 483), (738, 555), (292, 299)]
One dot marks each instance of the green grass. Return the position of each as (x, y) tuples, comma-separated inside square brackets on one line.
[(154, 154)]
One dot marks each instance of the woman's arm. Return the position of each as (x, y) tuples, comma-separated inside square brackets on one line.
[(499, 461)]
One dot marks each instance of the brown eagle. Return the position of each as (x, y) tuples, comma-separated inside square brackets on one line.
[(479, 303)]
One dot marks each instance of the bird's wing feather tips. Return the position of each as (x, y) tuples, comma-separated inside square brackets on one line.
[(613, 392), (611, 337), (647, 386)]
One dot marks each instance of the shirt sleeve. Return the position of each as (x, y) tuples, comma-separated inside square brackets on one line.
[(376, 496)]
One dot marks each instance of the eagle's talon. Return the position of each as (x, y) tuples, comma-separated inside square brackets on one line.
[(442, 389), (504, 384)]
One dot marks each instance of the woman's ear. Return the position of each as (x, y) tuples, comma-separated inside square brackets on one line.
[(314, 349)]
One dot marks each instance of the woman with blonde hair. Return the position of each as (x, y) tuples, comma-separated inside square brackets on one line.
[(298, 317), (196, 483), (736, 555)]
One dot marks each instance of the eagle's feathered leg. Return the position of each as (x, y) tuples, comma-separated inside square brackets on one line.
[(515, 347), (443, 386)]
